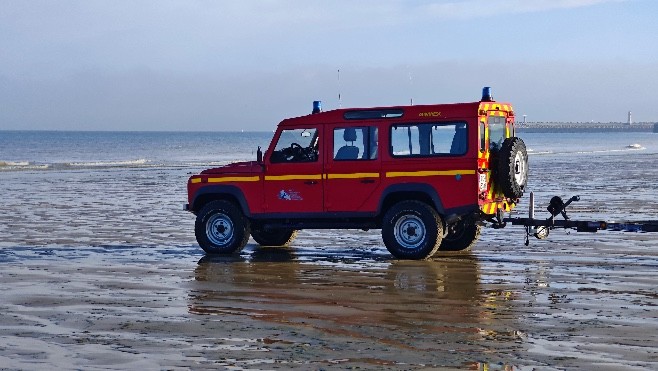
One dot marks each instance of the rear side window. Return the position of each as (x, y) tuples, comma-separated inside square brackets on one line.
[(429, 139), (355, 143)]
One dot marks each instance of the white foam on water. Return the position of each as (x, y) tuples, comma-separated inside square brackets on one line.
[(14, 163), (126, 163), (21, 165)]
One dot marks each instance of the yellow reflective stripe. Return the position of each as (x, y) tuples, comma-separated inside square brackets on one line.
[(396, 174), (353, 176), (195, 180), (234, 179), (294, 177)]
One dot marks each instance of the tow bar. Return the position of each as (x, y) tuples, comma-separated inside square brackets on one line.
[(541, 227)]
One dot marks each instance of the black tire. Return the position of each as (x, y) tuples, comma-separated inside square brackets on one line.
[(513, 167), (412, 230), (274, 237), (221, 228), (462, 236)]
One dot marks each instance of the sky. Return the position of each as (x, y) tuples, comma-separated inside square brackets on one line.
[(246, 65)]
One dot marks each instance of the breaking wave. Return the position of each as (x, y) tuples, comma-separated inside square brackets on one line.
[(94, 164), (27, 165)]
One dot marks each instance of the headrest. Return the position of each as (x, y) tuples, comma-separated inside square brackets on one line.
[(349, 135)]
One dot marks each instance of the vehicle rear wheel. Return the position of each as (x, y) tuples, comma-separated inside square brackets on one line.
[(412, 230), (221, 228), (274, 237), (513, 167), (462, 236)]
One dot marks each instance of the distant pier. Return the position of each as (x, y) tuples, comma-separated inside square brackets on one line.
[(585, 127)]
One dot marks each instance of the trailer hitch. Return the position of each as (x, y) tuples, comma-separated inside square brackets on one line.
[(539, 228)]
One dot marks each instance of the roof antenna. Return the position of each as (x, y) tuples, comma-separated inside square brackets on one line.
[(411, 83), (339, 101)]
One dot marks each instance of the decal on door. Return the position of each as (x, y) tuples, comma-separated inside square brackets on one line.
[(289, 195)]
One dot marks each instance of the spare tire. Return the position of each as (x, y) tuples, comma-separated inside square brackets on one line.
[(513, 167)]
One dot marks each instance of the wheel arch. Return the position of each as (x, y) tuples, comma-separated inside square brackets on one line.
[(410, 191), (220, 192)]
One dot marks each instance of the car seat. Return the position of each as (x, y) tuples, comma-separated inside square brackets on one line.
[(348, 151), (458, 146)]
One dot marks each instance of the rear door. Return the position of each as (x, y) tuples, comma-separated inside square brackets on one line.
[(352, 168)]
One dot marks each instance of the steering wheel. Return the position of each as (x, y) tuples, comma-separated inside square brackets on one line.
[(296, 151)]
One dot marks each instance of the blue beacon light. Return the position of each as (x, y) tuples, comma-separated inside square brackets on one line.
[(486, 94), (317, 106)]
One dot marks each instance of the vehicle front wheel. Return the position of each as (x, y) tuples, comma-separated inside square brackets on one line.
[(412, 230), (462, 236), (274, 237), (221, 228)]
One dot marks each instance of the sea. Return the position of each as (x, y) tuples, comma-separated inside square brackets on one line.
[(67, 188)]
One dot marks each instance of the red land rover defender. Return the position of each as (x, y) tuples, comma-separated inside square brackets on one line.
[(428, 176)]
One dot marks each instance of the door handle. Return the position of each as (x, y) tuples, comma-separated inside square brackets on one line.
[(367, 181), (310, 182)]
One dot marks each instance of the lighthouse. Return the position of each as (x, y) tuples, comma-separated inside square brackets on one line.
[(630, 118)]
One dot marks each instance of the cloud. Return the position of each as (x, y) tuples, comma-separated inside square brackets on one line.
[(489, 8), (152, 100)]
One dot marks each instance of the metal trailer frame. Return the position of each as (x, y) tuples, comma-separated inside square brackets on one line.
[(540, 228)]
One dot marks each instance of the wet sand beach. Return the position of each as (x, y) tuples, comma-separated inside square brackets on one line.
[(318, 306), (100, 270)]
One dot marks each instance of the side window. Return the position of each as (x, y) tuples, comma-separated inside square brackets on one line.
[(296, 145), (483, 137), (433, 139), (355, 143)]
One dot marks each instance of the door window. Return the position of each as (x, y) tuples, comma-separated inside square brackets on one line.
[(496, 132), (296, 145)]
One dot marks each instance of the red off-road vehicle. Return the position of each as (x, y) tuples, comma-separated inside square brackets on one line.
[(428, 176)]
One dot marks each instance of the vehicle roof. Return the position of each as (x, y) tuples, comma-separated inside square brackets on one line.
[(410, 113)]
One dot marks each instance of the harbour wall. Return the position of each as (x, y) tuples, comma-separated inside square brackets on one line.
[(584, 127)]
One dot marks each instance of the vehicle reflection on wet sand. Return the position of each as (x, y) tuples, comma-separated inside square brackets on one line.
[(410, 312)]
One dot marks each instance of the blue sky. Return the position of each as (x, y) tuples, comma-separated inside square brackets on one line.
[(232, 65)]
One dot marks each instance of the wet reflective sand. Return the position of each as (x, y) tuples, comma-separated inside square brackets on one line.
[(319, 306), (100, 270)]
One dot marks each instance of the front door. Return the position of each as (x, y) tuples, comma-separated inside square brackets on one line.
[(352, 167), (293, 173)]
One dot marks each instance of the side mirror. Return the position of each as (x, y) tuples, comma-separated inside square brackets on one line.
[(259, 155)]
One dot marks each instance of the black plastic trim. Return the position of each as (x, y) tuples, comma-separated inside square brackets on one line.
[(412, 187), (321, 215), (222, 189)]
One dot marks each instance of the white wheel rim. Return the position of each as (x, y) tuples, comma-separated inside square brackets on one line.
[(219, 229), (409, 231), (520, 168)]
